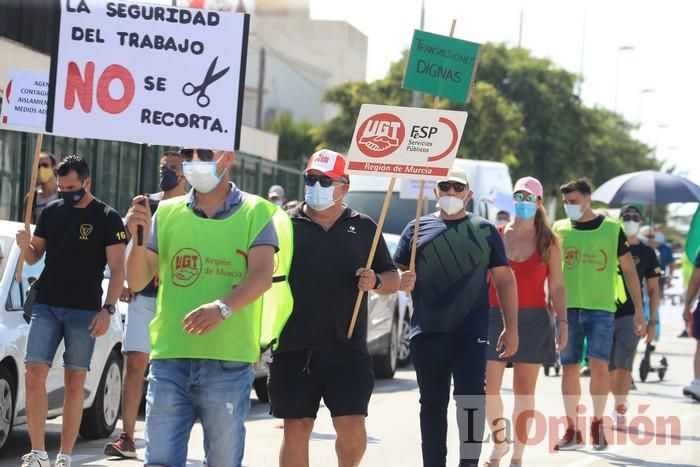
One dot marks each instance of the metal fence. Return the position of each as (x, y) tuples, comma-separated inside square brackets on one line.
[(121, 170)]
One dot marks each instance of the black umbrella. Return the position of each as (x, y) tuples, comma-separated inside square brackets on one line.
[(648, 187)]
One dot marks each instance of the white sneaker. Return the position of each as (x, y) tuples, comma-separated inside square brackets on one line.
[(693, 390), (62, 460), (32, 459), (619, 419)]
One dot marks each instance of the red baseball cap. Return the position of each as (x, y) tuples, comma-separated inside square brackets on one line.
[(529, 185), (329, 162)]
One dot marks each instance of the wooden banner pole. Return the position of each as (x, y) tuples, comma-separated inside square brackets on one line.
[(375, 242), (30, 201), (419, 207)]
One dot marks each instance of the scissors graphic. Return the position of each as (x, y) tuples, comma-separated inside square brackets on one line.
[(190, 89)]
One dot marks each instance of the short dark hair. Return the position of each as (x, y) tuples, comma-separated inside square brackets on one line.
[(172, 154), (50, 156), (73, 163), (581, 185)]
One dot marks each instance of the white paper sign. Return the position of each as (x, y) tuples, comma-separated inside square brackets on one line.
[(149, 74), (410, 188), (405, 142), (26, 96)]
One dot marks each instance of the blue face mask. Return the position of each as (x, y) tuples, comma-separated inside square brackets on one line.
[(573, 211), (525, 210), (319, 198)]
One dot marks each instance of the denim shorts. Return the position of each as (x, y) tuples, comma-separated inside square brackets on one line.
[(180, 391), (50, 325), (595, 325), (137, 336)]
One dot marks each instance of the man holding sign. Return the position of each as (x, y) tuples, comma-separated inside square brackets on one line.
[(315, 359), (456, 253)]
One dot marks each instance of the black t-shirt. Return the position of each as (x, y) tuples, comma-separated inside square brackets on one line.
[(623, 245), (647, 267), (76, 240), (324, 285)]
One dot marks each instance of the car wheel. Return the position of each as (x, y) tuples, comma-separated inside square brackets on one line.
[(404, 356), (385, 364), (8, 393), (260, 386), (100, 419)]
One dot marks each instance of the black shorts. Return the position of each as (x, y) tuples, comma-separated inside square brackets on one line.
[(695, 319), (298, 380)]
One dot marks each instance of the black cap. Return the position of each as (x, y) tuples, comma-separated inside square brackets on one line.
[(630, 207)]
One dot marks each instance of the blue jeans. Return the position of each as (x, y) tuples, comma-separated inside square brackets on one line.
[(597, 326), (50, 325), (181, 391), (439, 359)]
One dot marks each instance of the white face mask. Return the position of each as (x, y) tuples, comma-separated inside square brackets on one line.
[(201, 175), (451, 205), (318, 197), (573, 211), (631, 228), (501, 222)]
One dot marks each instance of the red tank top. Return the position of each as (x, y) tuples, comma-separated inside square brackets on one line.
[(530, 276)]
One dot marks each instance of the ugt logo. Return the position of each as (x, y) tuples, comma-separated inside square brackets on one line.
[(380, 135), (572, 256), (186, 266)]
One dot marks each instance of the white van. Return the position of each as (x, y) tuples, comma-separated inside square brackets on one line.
[(485, 178)]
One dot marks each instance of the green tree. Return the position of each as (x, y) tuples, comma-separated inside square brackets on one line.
[(297, 139)]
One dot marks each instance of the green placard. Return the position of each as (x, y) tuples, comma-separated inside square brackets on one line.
[(442, 66)]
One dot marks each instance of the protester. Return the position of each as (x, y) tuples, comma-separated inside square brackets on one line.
[(276, 195), (47, 191), (593, 247), (625, 339), (693, 320), (142, 307), (535, 258), (79, 234), (449, 327), (212, 268), (315, 359), (502, 218)]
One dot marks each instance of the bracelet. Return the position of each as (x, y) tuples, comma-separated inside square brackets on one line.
[(653, 321)]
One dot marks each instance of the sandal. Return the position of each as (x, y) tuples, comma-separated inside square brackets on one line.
[(497, 454)]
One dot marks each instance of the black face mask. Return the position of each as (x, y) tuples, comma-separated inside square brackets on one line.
[(71, 198), (168, 179)]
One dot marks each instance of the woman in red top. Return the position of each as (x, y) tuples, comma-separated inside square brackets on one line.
[(534, 256)]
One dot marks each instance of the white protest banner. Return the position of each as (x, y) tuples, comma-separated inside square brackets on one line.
[(26, 96), (405, 142), (410, 189), (149, 74)]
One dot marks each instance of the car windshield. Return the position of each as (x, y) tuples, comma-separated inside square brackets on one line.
[(401, 211), (5, 246)]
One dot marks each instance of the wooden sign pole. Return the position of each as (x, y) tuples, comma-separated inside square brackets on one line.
[(421, 188), (30, 201), (375, 242)]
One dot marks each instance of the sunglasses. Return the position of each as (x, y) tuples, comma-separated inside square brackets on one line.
[(520, 197), (631, 217), (45, 165), (324, 180), (203, 154), (458, 187)]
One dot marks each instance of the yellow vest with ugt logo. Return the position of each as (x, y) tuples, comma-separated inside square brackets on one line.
[(590, 264), (199, 261)]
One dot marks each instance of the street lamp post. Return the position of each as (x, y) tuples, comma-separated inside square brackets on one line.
[(620, 49), (642, 93)]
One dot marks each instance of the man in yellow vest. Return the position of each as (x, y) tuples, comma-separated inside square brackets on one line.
[(214, 252), (593, 247)]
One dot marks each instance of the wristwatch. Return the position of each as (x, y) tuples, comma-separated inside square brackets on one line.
[(111, 309), (224, 309), (377, 282)]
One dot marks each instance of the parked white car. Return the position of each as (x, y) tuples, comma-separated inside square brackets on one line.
[(104, 381)]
